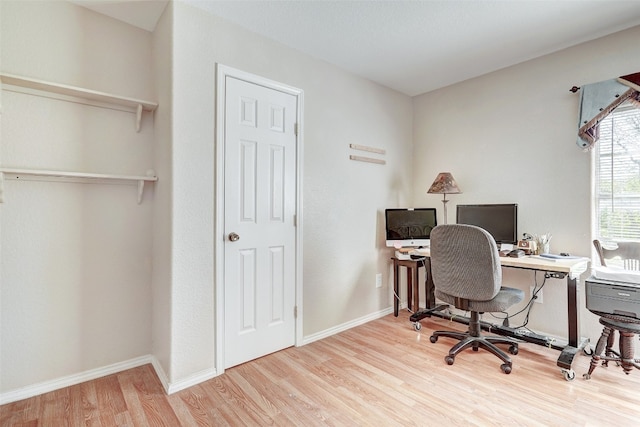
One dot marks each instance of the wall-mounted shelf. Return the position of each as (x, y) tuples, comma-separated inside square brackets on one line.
[(369, 150), (17, 174), (77, 94)]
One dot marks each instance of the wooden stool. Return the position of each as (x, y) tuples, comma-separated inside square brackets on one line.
[(628, 327)]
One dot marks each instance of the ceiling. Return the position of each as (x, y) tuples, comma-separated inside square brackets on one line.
[(410, 46)]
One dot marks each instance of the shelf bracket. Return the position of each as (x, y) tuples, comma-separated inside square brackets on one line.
[(140, 190), (138, 117)]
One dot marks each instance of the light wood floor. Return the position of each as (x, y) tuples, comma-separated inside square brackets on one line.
[(379, 374)]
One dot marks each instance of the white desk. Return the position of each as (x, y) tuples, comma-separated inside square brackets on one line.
[(559, 269)]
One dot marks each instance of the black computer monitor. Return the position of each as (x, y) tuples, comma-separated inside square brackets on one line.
[(500, 220)]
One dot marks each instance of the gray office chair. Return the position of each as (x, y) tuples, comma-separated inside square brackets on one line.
[(466, 272)]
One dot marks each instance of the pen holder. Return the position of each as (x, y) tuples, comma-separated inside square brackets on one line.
[(543, 248)]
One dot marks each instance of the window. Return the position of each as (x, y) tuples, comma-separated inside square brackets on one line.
[(617, 176)]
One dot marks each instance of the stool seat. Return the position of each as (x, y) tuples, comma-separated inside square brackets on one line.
[(628, 328), (617, 317)]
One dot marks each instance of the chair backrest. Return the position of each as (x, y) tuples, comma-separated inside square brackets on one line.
[(620, 254), (465, 262)]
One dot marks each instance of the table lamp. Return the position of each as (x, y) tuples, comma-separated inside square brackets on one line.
[(444, 184)]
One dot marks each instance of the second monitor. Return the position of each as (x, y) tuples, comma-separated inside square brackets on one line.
[(500, 220)]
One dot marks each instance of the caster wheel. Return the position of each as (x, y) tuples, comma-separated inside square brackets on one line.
[(569, 374), (513, 349), (506, 368), (588, 351), (417, 326), (449, 360), (433, 339), (586, 376), (475, 347)]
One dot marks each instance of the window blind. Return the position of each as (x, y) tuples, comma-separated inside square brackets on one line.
[(617, 177)]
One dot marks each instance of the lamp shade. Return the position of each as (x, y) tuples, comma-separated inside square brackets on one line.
[(444, 184)]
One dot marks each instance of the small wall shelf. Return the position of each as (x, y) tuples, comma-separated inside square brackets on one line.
[(76, 94), (16, 174)]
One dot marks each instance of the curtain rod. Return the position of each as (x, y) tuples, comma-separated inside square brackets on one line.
[(574, 89)]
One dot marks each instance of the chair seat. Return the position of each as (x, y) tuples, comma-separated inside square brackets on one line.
[(505, 298)]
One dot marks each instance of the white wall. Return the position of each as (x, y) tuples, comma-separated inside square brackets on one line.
[(76, 260), (509, 136), (343, 199), (162, 226)]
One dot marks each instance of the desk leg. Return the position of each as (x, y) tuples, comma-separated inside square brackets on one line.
[(410, 288), (430, 298), (574, 346), (574, 313), (429, 287), (416, 288), (396, 287)]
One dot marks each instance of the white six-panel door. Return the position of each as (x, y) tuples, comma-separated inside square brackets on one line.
[(259, 220)]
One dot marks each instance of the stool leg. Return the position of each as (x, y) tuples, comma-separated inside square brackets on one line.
[(595, 358), (626, 351), (609, 350)]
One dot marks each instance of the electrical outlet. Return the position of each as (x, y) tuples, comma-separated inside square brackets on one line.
[(538, 296), (379, 280)]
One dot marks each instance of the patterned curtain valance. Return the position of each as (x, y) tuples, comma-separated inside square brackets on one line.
[(598, 100)]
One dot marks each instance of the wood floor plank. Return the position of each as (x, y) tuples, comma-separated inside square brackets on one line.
[(76, 412), (110, 399), (91, 411), (154, 401), (382, 373), (24, 412), (131, 382), (229, 399), (192, 407)]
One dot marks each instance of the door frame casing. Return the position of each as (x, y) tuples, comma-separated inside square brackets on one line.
[(222, 72)]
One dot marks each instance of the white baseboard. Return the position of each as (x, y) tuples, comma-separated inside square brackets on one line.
[(69, 380), (169, 387), (345, 326), (162, 375), (191, 380)]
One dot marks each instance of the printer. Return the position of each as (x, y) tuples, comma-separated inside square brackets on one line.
[(614, 291)]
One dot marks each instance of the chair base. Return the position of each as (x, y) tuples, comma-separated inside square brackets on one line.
[(473, 339)]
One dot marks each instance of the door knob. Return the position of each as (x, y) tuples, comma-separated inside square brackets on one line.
[(233, 237)]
